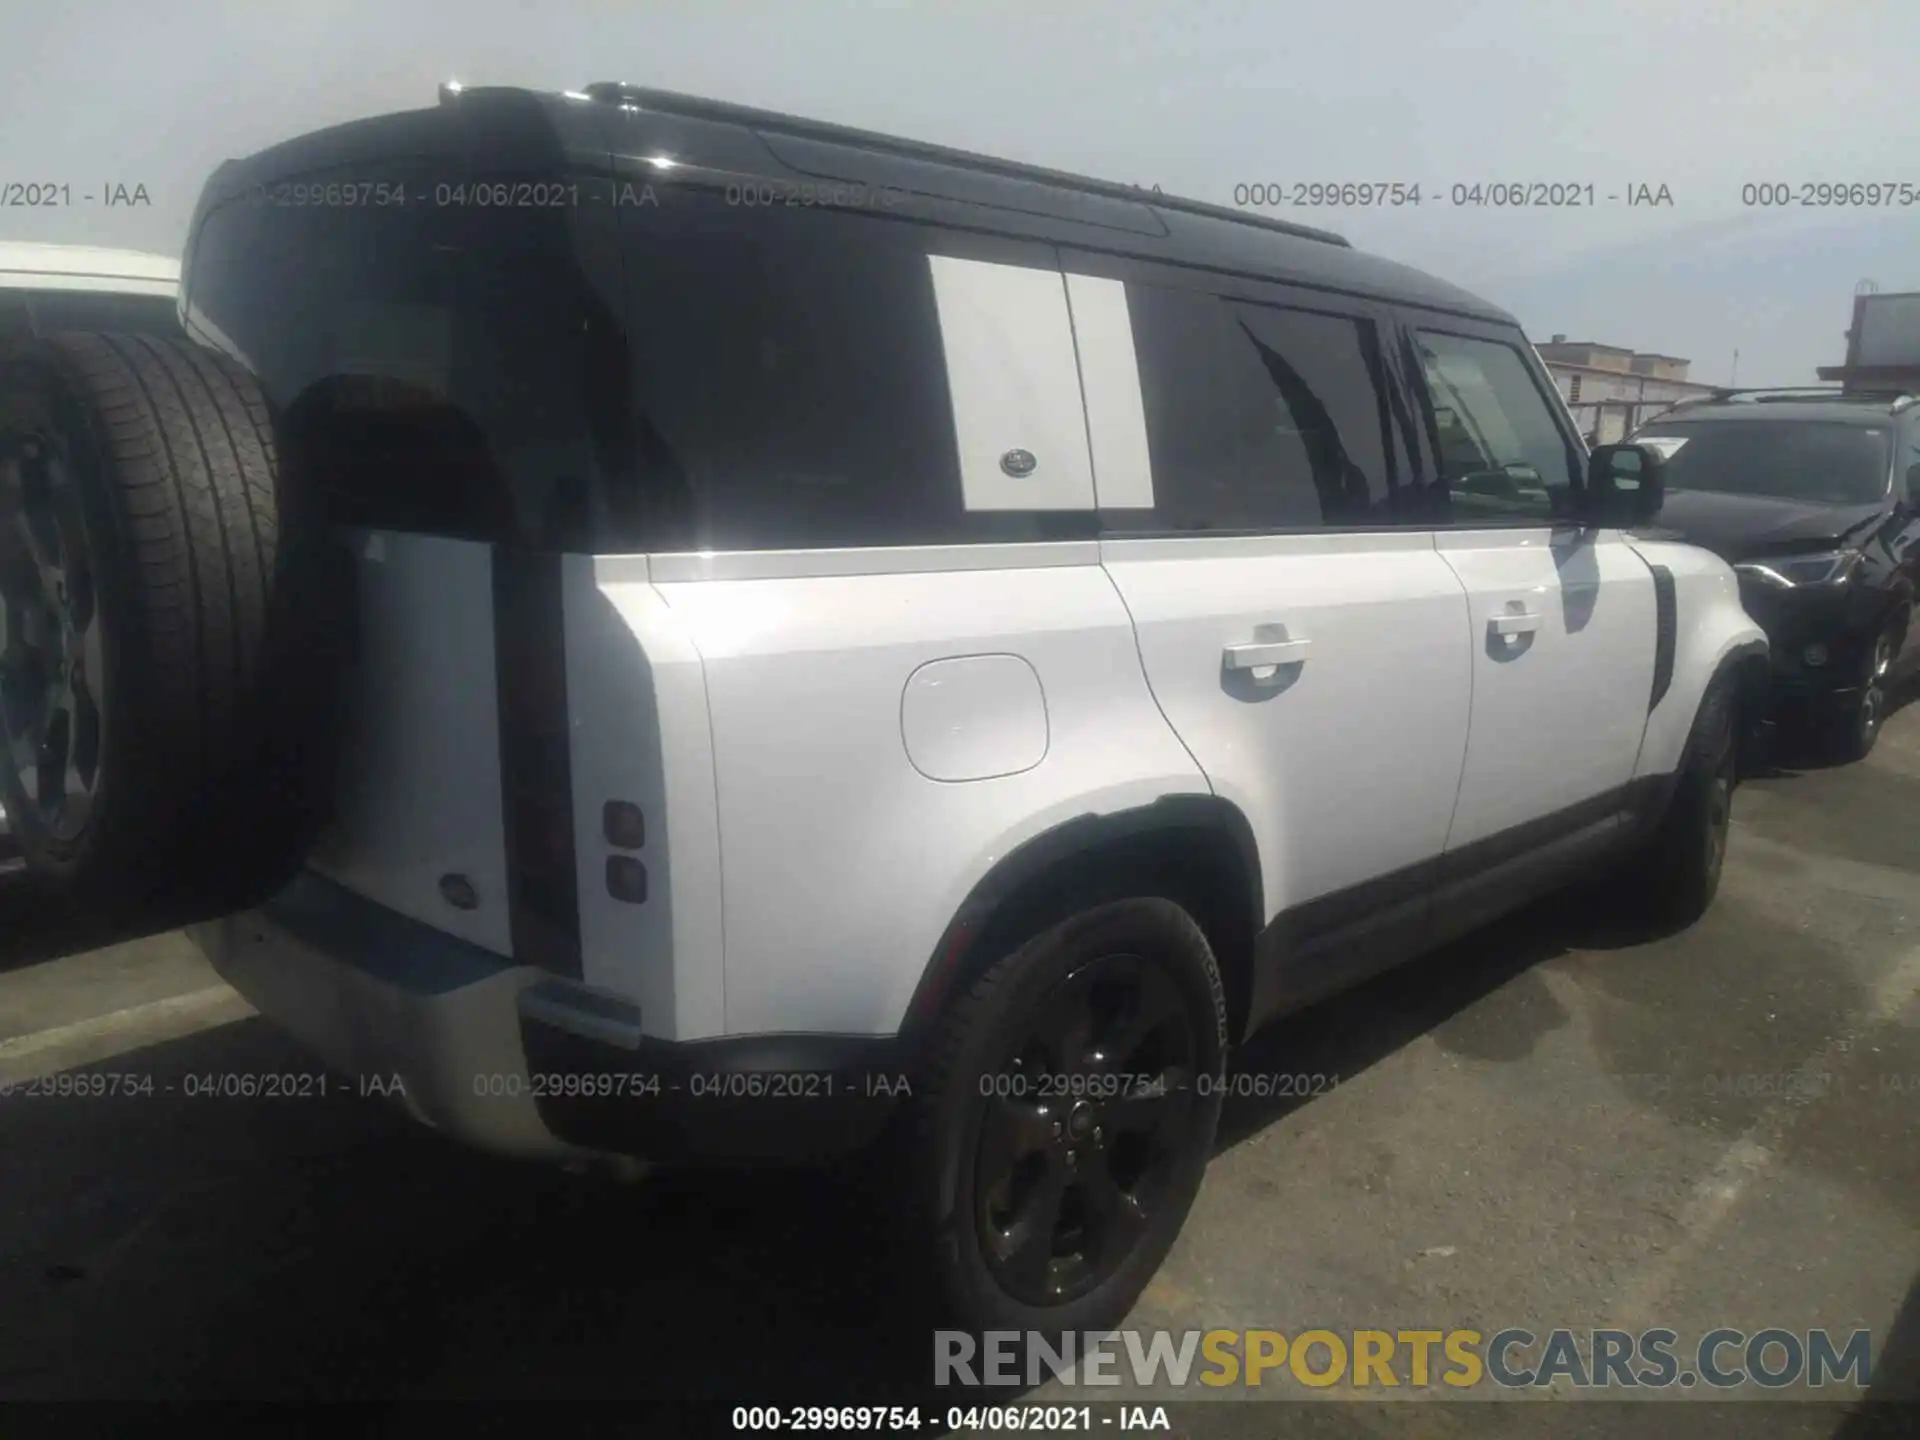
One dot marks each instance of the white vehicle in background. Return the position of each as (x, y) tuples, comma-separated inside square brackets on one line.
[(45, 289)]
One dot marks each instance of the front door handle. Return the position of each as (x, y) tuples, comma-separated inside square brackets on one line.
[(1519, 622), (1263, 653)]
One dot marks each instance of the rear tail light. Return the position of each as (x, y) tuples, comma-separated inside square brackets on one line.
[(623, 825), (625, 828), (626, 879)]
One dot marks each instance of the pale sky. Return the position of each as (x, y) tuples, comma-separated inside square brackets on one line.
[(1701, 96)]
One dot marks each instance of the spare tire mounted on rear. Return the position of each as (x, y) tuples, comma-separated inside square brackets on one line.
[(172, 623)]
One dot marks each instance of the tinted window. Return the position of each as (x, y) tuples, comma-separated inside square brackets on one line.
[(1260, 417), (788, 377), (1826, 464), (438, 367), (1501, 454), (55, 310)]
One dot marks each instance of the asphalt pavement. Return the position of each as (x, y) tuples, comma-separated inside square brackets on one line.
[(1550, 1124)]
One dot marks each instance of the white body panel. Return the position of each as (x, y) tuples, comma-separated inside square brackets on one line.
[(1110, 383), (1014, 384), (420, 792), (842, 863), (637, 699), (975, 717), (1562, 640), (1346, 763), (26, 265), (1710, 622)]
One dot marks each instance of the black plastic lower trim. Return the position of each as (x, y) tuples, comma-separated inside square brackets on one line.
[(536, 777), (604, 1086), (392, 948), (1335, 941), (1666, 630)]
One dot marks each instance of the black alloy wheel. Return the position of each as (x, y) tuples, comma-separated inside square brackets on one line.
[(1085, 1129), (1064, 1120)]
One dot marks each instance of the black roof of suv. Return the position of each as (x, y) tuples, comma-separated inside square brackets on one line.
[(626, 132)]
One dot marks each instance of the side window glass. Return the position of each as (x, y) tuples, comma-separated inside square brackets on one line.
[(1501, 455), (431, 367), (788, 377), (540, 359), (1261, 417)]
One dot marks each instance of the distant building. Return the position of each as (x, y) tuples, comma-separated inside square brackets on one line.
[(1883, 346), (1610, 390)]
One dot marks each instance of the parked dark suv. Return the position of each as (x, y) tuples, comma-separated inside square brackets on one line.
[(1814, 497)]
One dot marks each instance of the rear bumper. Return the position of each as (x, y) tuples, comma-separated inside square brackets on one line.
[(514, 1061)]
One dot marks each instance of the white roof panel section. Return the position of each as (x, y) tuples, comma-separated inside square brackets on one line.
[(26, 264)]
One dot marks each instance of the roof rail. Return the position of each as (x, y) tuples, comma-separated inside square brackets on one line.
[(1749, 392), (1896, 400), (1683, 402), (1899, 396), (696, 108)]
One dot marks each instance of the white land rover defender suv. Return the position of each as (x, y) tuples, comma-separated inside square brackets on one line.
[(714, 636)]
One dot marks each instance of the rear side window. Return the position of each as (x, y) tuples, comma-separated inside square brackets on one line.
[(789, 380), (434, 365), (1501, 455), (656, 370), (1261, 417)]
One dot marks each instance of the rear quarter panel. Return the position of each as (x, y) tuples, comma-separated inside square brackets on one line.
[(842, 860)]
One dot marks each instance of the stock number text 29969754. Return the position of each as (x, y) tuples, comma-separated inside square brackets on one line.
[(1466, 195)]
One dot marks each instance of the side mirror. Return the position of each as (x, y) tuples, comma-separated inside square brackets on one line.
[(1626, 484)]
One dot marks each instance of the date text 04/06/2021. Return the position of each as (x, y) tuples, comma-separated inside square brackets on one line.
[(961, 1419), (223, 1085), (700, 1085), (1477, 194)]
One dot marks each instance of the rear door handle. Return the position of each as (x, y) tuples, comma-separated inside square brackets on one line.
[(1522, 622), (1266, 652)]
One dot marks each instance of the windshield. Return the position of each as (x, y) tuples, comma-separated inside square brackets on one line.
[(1818, 462)]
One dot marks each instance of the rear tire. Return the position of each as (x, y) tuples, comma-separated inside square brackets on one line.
[(173, 626), (1072, 1100)]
